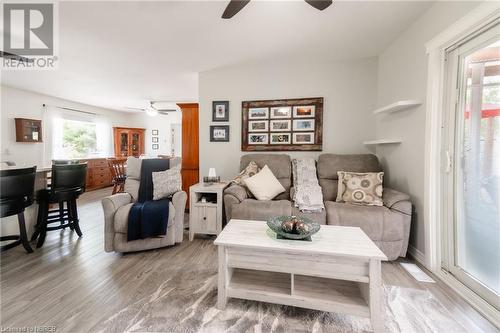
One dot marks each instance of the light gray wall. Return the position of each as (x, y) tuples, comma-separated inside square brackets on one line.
[(348, 88), (402, 74)]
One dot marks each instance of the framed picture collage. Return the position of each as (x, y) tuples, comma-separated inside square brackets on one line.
[(282, 125)]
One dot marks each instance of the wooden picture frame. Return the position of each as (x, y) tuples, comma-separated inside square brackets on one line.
[(220, 111), (293, 125)]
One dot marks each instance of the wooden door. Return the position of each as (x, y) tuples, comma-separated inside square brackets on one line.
[(190, 146)]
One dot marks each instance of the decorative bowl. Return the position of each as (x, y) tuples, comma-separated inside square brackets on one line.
[(274, 224)]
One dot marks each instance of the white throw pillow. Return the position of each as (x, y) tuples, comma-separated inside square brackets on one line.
[(166, 183), (264, 185)]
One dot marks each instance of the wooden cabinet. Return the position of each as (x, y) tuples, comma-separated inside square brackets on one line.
[(128, 141), (190, 146), (28, 130), (98, 174)]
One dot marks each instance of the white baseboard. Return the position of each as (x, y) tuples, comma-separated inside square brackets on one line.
[(417, 255)]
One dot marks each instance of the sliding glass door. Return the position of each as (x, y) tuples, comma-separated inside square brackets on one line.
[(471, 250)]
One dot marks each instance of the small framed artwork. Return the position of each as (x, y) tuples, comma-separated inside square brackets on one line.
[(280, 125), (280, 138), (303, 138), (155, 146), (154, 132), (303, 125), (155, 139), (219, 133), (281, 112), (306, 111), (258, 126), (258, 139), (220, 111), (258, 113)]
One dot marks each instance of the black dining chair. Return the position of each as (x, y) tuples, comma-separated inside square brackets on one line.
[(68, 183), (16, 193), (62, 210)]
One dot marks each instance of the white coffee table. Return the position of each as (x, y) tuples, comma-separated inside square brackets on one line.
[(339, 271)]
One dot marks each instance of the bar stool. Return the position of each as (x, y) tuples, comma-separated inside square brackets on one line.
[(16, 193), (68, 182), (62, 211)]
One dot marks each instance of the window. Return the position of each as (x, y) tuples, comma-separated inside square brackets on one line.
[(79, 139)]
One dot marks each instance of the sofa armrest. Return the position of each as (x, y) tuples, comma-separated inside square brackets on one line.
[(396, 200), (110, 205), (237, 191), (179, 201)]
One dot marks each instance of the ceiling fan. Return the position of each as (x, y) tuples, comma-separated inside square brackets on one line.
[(151, 110), (235, 6)]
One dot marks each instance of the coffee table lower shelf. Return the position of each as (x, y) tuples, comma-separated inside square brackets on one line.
[(310, 292)]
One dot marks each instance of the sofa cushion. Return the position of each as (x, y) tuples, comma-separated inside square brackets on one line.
[(329, 164), (379, 223), (264, 185), (134, 167), (251, 209), (280, 165), (121, 217)]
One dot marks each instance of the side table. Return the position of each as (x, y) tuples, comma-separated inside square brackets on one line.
[(206, 208)]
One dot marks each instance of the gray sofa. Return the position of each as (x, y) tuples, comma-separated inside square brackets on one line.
[(388, 226), (117, 207)]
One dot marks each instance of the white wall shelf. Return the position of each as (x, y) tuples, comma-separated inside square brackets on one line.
[(382, 142), (398, 106)]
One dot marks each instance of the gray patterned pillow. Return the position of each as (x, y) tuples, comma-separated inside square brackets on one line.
[(166, 183), (360, 188), (251, 170)]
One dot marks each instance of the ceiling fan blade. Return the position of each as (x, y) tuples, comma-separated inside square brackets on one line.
[(320, 4), (166, 111), (135, 109), (8, 55), (234, 7)]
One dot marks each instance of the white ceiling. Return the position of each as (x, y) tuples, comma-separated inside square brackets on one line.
[(117, 54)]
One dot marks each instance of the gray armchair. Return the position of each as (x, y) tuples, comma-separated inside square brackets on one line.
[(117, 207)]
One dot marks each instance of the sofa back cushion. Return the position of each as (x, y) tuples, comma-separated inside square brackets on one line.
[(330, 164), (280, 165)]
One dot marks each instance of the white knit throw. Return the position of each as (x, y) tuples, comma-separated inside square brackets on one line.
[(307, 195)]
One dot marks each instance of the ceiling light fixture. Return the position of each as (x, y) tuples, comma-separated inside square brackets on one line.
[(151, 112)]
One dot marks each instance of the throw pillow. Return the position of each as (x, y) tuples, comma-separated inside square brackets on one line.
[(360, 188), (264, 185), (166, 183), (251, 170)]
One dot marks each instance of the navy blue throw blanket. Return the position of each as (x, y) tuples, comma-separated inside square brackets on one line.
[(148, 218)]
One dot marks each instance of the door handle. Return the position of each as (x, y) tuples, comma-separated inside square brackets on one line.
[(447, 167)]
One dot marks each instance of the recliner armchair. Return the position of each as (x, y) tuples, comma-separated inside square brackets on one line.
[(117, 207)]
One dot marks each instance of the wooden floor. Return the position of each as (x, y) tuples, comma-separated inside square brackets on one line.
[(72, 284)]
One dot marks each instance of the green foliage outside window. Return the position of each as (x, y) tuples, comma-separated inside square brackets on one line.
[(79, 139)]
